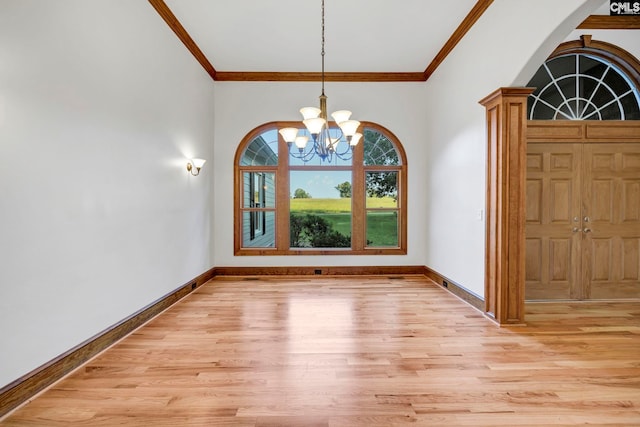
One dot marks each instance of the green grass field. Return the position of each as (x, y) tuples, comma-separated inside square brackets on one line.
[(336, 205), (382, 227)]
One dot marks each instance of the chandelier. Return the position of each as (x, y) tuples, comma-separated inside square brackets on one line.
[(325, 140)]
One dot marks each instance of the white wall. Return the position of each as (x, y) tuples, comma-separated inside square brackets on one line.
[(240, 107), (100, 104), (627, 40), (492, 55)]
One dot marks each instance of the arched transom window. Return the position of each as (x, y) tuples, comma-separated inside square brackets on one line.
[(584, 84), (286, 206)]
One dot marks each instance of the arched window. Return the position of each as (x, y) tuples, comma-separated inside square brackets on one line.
[(286, 206), (587, 81)]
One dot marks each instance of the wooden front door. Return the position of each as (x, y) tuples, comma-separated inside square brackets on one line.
[(611, 228), (553, 214), (582, 214)]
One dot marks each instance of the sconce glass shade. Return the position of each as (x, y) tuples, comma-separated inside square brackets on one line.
[(198, 163)]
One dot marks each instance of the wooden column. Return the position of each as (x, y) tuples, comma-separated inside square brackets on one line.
[(505, 211)]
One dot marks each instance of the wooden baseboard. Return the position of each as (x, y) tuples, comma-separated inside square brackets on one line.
[(459, 291), (320, 271), (24, 388)]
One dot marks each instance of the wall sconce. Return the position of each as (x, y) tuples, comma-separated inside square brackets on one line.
[(194, 166)]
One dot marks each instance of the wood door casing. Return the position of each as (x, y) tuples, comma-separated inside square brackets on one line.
[(553, 210)]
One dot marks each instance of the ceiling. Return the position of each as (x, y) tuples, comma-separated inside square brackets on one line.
[(284, 36), (366, 40)]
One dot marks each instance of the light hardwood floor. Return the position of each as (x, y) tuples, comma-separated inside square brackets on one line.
[(356, 351)]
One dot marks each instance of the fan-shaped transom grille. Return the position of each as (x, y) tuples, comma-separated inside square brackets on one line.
[(582, 87)]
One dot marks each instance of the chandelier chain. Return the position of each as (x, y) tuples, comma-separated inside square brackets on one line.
[(322, 51)]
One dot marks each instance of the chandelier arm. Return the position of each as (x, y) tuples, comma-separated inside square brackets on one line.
[(347, 150), (304, 154)]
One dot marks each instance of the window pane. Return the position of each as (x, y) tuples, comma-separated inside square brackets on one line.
[(631, 107), (616, 83), (262, 151), (565, 112), (379, 150), (382, 228), (540, 111), (611, 112), (592, 67), (320, 209), (562, 66), (590, 113), (551, 96), (259, 190), (587, 87), (540, 79), (567, 85), (258, 229), (381, 189)]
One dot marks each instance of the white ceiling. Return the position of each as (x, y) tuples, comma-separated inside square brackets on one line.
[(285, 35)]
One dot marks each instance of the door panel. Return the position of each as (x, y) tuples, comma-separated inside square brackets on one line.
[(630, 259), (612, 205), (560, 259), (553, 211)]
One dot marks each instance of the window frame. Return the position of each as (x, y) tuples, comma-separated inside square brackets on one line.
[(282, 194)]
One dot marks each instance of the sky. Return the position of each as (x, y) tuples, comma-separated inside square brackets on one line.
[(319, 184)]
